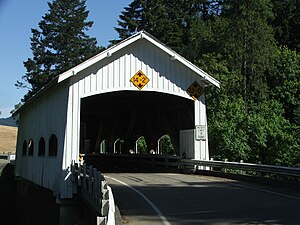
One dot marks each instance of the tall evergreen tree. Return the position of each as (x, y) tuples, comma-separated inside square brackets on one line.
[(168, 20), (287, 23), (249, 44), (59, 44), (284, 83)]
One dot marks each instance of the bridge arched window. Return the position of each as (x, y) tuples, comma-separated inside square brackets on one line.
[(30, 147), (24, 150), (41, 147), (53, 145)]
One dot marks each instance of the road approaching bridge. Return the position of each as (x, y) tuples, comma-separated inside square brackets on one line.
[(167, 198)]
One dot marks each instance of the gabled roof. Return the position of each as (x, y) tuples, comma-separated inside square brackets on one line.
[(140, 35), (108, 52)]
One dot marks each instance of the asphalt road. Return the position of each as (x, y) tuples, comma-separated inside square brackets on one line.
[(154, 198)]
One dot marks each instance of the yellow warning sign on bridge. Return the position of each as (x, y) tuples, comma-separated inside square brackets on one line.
[(139, 80), (195, 90)]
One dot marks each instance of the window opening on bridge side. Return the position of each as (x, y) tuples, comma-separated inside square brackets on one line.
[(53, 145), (165, 145), (24, 152), (42, 147), (140, 146), (30, 147), (118, 145)]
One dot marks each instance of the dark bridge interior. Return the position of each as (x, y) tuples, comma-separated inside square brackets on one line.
[(129, 115)]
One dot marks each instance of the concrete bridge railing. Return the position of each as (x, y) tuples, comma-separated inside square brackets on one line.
[(10, 157), (95, 192)]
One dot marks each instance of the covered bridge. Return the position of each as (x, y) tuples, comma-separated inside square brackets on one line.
[(139, 87)]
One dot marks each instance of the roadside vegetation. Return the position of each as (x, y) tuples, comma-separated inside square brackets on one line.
[(8, 139)]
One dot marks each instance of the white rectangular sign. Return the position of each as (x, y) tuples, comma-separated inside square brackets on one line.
[(200, 132)]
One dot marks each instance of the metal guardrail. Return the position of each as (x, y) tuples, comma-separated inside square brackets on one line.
[(95, 191), (261, 168)]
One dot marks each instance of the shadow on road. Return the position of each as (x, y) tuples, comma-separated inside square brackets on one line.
[(8, 196)]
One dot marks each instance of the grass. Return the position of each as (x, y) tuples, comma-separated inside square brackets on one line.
[(8, 139)]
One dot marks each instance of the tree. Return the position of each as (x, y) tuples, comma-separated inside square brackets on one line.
[(287, 23), (59, 44), (284, 83), (151, 16), (249, 44), (169, 21), (16, 107), (228, 137)]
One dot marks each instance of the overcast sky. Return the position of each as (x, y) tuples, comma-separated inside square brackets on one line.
[(17, 17)]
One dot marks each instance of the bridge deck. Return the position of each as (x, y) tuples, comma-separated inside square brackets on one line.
[(167, 198)]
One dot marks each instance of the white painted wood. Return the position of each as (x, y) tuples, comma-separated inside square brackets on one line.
[(201, 146), (187, 145)]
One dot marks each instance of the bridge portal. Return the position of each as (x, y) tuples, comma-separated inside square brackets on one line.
[(128, 115)]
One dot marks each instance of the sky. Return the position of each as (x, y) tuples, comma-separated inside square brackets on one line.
[(18, 17)]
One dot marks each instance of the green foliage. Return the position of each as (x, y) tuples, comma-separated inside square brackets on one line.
[(142, 145), (166, 145), (287, 23), (59, 44), (249, 44), (168, 20), (284, 83), (17, 106), (258, 133), (270, 134)]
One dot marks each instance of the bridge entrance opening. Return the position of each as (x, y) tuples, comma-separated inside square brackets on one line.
[(114, 122)]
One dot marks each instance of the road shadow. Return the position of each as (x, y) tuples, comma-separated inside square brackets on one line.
[(8, 196)]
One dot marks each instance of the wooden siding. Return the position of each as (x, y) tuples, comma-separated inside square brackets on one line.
[(43, 117)]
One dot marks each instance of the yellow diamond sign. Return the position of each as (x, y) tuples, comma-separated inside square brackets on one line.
[(139, 80), (195, 90)]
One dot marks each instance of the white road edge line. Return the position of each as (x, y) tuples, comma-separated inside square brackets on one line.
[(259, 189), (154, 207), (267, 191)]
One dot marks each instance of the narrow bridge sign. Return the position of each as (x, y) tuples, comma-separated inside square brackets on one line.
[(139, 80), (195, 90)]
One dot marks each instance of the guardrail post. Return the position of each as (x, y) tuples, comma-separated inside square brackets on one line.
[(225, 160), (211, 168), (242, 172)]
